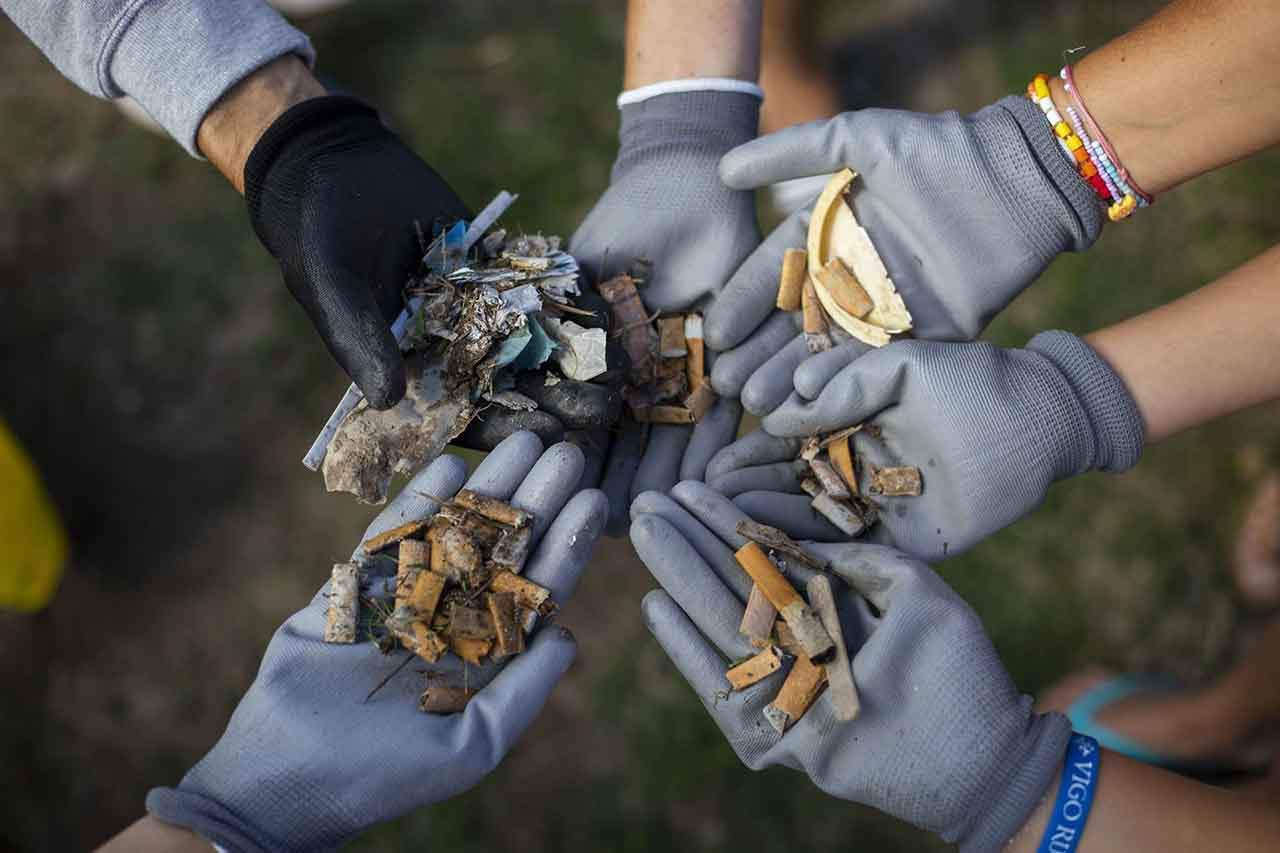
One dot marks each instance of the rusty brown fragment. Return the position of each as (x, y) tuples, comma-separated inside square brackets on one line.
[(631, 323), (842, 460), (445, 700), (700, 401), (468, 623), (845, 289), (671, 340), (672, 381), (664, 415), (776, 540), (804, 624), (492, 508), (755, 669), (758, 618), (795, 267), (896, 482), (374, 544), (507, 631)]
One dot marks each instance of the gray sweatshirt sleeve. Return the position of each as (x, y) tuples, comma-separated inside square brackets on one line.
[(175, 57)]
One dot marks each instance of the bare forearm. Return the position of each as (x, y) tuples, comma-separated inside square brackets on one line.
[(1138, 807), (150, 835), (236, 122), (1208, 354), (1195, 87), (679, 39)]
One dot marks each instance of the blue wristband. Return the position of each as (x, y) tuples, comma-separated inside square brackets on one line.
[(1075, 796)]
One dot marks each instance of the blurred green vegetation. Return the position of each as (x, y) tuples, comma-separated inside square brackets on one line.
[(167, 384)]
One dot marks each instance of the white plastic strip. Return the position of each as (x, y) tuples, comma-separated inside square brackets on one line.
[(692, 84)]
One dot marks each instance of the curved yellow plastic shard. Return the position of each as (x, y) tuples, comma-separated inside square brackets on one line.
[(834, 232), (36, 546)]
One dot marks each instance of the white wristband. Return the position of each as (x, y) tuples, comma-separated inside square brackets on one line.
[(692, 84)]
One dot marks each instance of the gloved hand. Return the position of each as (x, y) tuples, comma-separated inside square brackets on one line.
[(307, 764), (965, 211), (989, 428), (333, 195), (666, 204), (944, 739)]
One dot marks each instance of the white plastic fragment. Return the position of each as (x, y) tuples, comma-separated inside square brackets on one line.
[(581, 355)]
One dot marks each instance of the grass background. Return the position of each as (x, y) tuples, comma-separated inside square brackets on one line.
[(166, 385)]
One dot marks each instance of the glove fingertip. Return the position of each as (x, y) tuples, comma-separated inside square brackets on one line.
[(382, 379)]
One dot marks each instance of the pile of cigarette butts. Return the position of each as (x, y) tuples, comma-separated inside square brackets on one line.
[(839, 277), (829, 469), (457, 589), (494, 341), (667, 378), (782, 624)]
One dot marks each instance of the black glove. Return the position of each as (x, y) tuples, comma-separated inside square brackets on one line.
[(334, 195)]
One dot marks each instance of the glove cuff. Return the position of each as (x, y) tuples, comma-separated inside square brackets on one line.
[(680, 126), (1033, 770), (690, 84), (205, 817), (1115, 421), (1068, 217), (292, 123)]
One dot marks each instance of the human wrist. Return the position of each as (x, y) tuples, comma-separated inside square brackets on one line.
[(149, 833), (231, 130), (684, 39), (1033, 766), (1068, 219), (1114, 435)]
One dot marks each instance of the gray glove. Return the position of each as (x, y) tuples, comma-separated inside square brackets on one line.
[(666, 203), (966, 212), (944, 740), (989, 428), (307, 764)]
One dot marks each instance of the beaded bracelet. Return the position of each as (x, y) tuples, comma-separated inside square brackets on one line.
[(1094, 158), (1069, 84)]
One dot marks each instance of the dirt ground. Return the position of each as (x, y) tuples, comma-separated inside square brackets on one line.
[(167, 386)]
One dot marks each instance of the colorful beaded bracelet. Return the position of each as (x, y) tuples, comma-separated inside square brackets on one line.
[(1069, 84)]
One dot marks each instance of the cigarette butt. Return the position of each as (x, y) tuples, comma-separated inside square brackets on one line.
[(344, 604), (374, 544), (671, 343), (838, 513), (844, 694), (758, 618), (844, 288), (696, 364), (817, 342), (528, 594), (423, 642), (424, 597), (842, 460), (896, 482), (755, 668), (795, 263), (512, 548), (782, 595), (815, 320), (786, 640), (453, 552), (469, 623), (471, 651), (445, 700), (830, 481), (410, 563), (492, 508), (803, 684)]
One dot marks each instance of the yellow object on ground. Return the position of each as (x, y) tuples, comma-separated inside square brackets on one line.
[(35, 541)]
